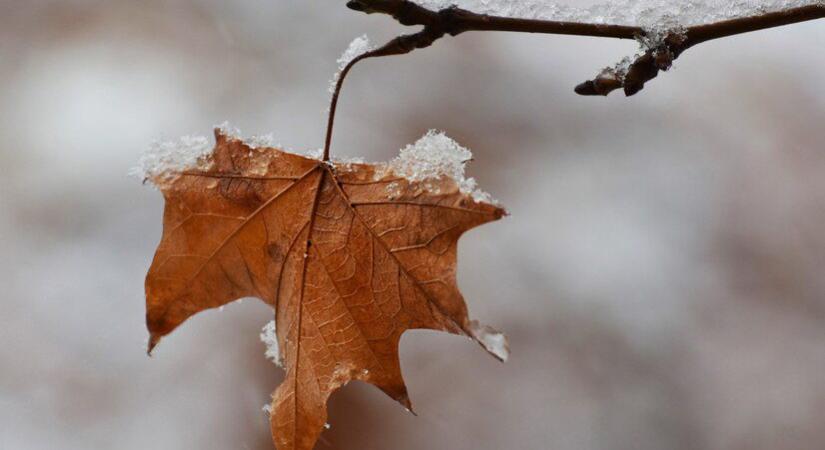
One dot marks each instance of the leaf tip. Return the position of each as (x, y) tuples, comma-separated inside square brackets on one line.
[(494, 341), (501, 212), (153, 342), (407, 404)]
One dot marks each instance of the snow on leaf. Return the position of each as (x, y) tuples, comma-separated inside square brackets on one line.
[(164, 159), (434, 156), (270, 339), (255, 141)]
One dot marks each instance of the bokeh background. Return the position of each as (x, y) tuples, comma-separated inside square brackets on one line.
[(660, 277)]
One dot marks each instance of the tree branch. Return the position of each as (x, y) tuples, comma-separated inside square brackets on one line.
[(632, 76)]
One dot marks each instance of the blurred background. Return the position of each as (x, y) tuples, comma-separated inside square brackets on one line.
[(660, 277)]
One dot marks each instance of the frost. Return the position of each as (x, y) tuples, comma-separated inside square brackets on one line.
[(327, 426), (394, 190), (315, 154), (256, 141), (164, 159), (228, 130), (648, 14), (342, 163), (432, 157), (493, 340), (267, 409), (269, 338), (658, 18), (357, 47), (426, 161), (619, 71)]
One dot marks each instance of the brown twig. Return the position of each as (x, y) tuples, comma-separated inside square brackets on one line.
[(656, 58), (454, 21)]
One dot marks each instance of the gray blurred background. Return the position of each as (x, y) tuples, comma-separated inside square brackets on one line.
[(660, 278)]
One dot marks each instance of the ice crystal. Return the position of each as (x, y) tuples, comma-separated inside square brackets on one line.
[(357, 47), (432, 157), (318, 153), (342, 163), (429, 159), (658, 18), (255, 141), (229, 130), (493, 340), (164, 159), (270, 339), (648, 14)]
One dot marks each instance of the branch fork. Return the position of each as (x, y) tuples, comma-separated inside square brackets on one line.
[(645, 67)]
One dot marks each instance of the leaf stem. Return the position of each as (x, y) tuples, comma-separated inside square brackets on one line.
[(334, 102)]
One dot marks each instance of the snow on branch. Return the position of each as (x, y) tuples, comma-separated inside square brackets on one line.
[(646, 14), (357, 47), (663, 28)]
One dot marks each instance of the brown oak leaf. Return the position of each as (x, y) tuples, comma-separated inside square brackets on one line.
[(349, 255)]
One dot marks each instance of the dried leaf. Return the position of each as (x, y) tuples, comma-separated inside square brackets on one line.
[(347, 264)]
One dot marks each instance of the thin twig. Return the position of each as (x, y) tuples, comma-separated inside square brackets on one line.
[(400, 45)]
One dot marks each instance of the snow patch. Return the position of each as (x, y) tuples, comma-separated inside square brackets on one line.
[(344, 163), (255, 141), (658, 18), (270, 339), (434, 156), (429, 159), (164, 159), (318, 154), (493, 340)]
